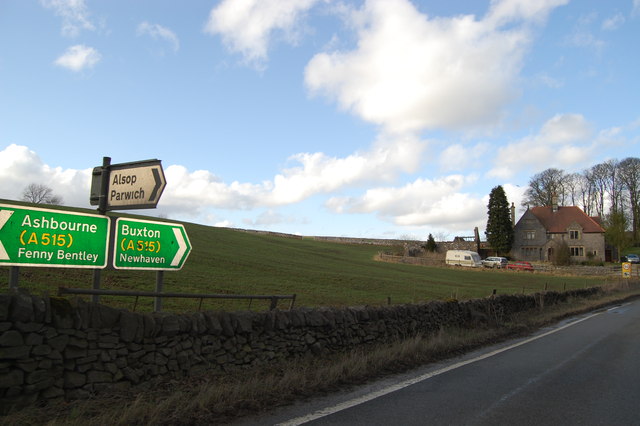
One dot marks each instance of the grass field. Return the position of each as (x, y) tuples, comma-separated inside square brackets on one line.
[(226, 261)]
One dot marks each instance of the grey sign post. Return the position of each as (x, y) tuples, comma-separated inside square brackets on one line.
[(124, 186)]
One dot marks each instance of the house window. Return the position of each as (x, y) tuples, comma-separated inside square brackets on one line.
[(529, 235), (574, 235), (577, 251), (530, 252)]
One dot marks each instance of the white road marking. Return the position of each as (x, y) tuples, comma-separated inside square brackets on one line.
[(377, 394)]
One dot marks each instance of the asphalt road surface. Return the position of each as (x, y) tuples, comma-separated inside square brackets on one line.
[(584, 371)]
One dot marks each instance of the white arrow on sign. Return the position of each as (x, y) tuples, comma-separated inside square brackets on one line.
[(182, 247), (4, 217)]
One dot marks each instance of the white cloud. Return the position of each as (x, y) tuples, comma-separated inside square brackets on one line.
[(636, 8), (565, 128), (248, 26), (74, 14), (78, 57), (224, 224), (586, 39), (19, 167), (192, 193), (440, 203), (505, 11), (315, 174), (458, 157), (410, 73), (549, 81), (614, 22), (268, 218), (515, 194), (436, 202), (157, 31), (319, 173), (563, 141), (583, 36)]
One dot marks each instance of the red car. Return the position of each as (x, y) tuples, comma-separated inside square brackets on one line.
[(520, 266)]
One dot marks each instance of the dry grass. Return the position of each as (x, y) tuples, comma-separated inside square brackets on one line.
[(220, 398)]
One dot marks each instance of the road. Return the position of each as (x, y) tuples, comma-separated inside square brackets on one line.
[(583, 371)]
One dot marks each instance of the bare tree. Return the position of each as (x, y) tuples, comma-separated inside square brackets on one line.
[(441, 236), (629, 171), (587, 193), (607, 187), (597, 176), (40, 194), (614, 185), (544, 186), (572, 187)]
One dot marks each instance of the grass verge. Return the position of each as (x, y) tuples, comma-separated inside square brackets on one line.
[(221, 398)]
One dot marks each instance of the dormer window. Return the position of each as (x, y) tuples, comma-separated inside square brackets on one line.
[(574, 235)]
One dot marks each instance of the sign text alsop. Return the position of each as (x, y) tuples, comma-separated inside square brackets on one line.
[(121, 179)]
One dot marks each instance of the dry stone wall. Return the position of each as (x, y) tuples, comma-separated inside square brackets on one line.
[(51, 349)]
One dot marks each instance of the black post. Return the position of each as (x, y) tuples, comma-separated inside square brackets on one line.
[(157, 305), (293, 300), (102, 209), (14, 274)]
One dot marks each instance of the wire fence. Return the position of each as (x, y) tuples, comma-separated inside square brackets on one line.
[(63, 291)]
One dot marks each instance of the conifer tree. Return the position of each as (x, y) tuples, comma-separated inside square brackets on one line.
[(499, 230), (430, 245)]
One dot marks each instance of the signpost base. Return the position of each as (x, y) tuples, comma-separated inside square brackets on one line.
[(14, 275), (95, 298), (157, 304)]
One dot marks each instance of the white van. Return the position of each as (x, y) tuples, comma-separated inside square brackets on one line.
[(463, 258)]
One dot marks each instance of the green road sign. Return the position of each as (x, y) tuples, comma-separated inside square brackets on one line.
[(55, 238), (142, 244)]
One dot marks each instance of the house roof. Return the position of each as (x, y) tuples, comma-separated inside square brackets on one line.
[(561, 219)]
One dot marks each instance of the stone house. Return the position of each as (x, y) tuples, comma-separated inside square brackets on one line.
[(541, 230)]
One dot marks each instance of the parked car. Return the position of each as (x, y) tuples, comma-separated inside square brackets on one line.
[(495, 262), (520, 266), (631, 258)]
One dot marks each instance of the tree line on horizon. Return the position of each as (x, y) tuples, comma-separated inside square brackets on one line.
[(608, 190)]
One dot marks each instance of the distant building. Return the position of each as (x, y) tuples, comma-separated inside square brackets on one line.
[(541, 230)]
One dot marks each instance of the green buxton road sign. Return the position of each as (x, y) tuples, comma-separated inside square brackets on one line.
[(55, 238), (142, 244)]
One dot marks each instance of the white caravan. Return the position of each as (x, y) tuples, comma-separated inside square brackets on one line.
[(463, 258)]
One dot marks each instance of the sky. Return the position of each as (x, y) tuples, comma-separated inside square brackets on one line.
[(369, 119)]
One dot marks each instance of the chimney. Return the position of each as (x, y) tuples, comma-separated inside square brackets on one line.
[(513, 214), (554, 203)]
